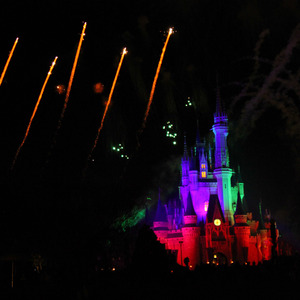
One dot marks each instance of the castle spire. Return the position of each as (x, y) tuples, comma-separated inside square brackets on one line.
[(161, 213), (220, 115), (190, 211), (190, 216), (239, 206), (185, 153)]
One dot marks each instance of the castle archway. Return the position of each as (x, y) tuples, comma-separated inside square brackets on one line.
[(219, 259)]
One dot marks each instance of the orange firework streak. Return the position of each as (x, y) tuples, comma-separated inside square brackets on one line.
[(108, 101), (34, 111), (8, 60), (155, 79), (72, 76)]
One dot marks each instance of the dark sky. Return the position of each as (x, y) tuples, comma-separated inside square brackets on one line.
[(251, 46)]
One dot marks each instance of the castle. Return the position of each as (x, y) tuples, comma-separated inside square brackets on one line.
[(209, 222)]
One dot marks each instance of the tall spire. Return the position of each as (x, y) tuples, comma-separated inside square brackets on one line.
[(190, 211), (239, 206), (220, 115), (185, 153), (161, 213)]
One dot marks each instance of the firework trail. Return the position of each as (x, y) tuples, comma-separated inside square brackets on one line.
[(155, 80), (71, 78), (34, 111), (108, 101), (106, 109), (67, 93), (8, 60)]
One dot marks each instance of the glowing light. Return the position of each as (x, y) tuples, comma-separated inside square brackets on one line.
[(217, 222), (188, 103), (170, 131), (124, 52), (203, 174), (120, 149), (205, 205), (71, 77), (155, 80), (60, 89), (8, 60), (98, 88), (34, 112)]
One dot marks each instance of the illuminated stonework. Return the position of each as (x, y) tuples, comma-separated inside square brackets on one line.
[(208, 222)]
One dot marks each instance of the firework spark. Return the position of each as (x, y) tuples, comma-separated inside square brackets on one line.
[(109, 100), (34, 111), (8, 60), (71, 77), (171, 31), (124, 52)]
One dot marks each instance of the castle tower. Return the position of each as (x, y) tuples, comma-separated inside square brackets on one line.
[(203, 165), (263, 237), (191, 234), (160, 224), (242, 232), (222, 171)]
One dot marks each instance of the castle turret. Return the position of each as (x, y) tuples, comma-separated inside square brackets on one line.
[(160, 224), (191, 234), (203, 165), (265, 245), (242, 232), (222, 172)]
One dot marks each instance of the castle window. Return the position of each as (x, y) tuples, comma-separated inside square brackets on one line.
[(205, 205), (203, 174), (203, 166)]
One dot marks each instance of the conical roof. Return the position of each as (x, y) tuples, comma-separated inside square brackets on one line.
[(239, 206), (161, 213), (190, 211), (261, 225), (214, 210)]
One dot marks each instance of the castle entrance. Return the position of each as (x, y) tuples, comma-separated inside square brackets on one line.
[(219, 259)]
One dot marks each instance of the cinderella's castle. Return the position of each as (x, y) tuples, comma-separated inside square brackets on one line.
[(210, 223)]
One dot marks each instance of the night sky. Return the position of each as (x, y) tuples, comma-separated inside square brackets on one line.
[(250, 47)]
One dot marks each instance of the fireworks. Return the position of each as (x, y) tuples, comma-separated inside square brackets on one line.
[(60, 89), (188, 102), (98, 88), (120, 150), (108, 101), (170, 132), (8, 60), (155, 78), (34, 112), (72, 76)]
